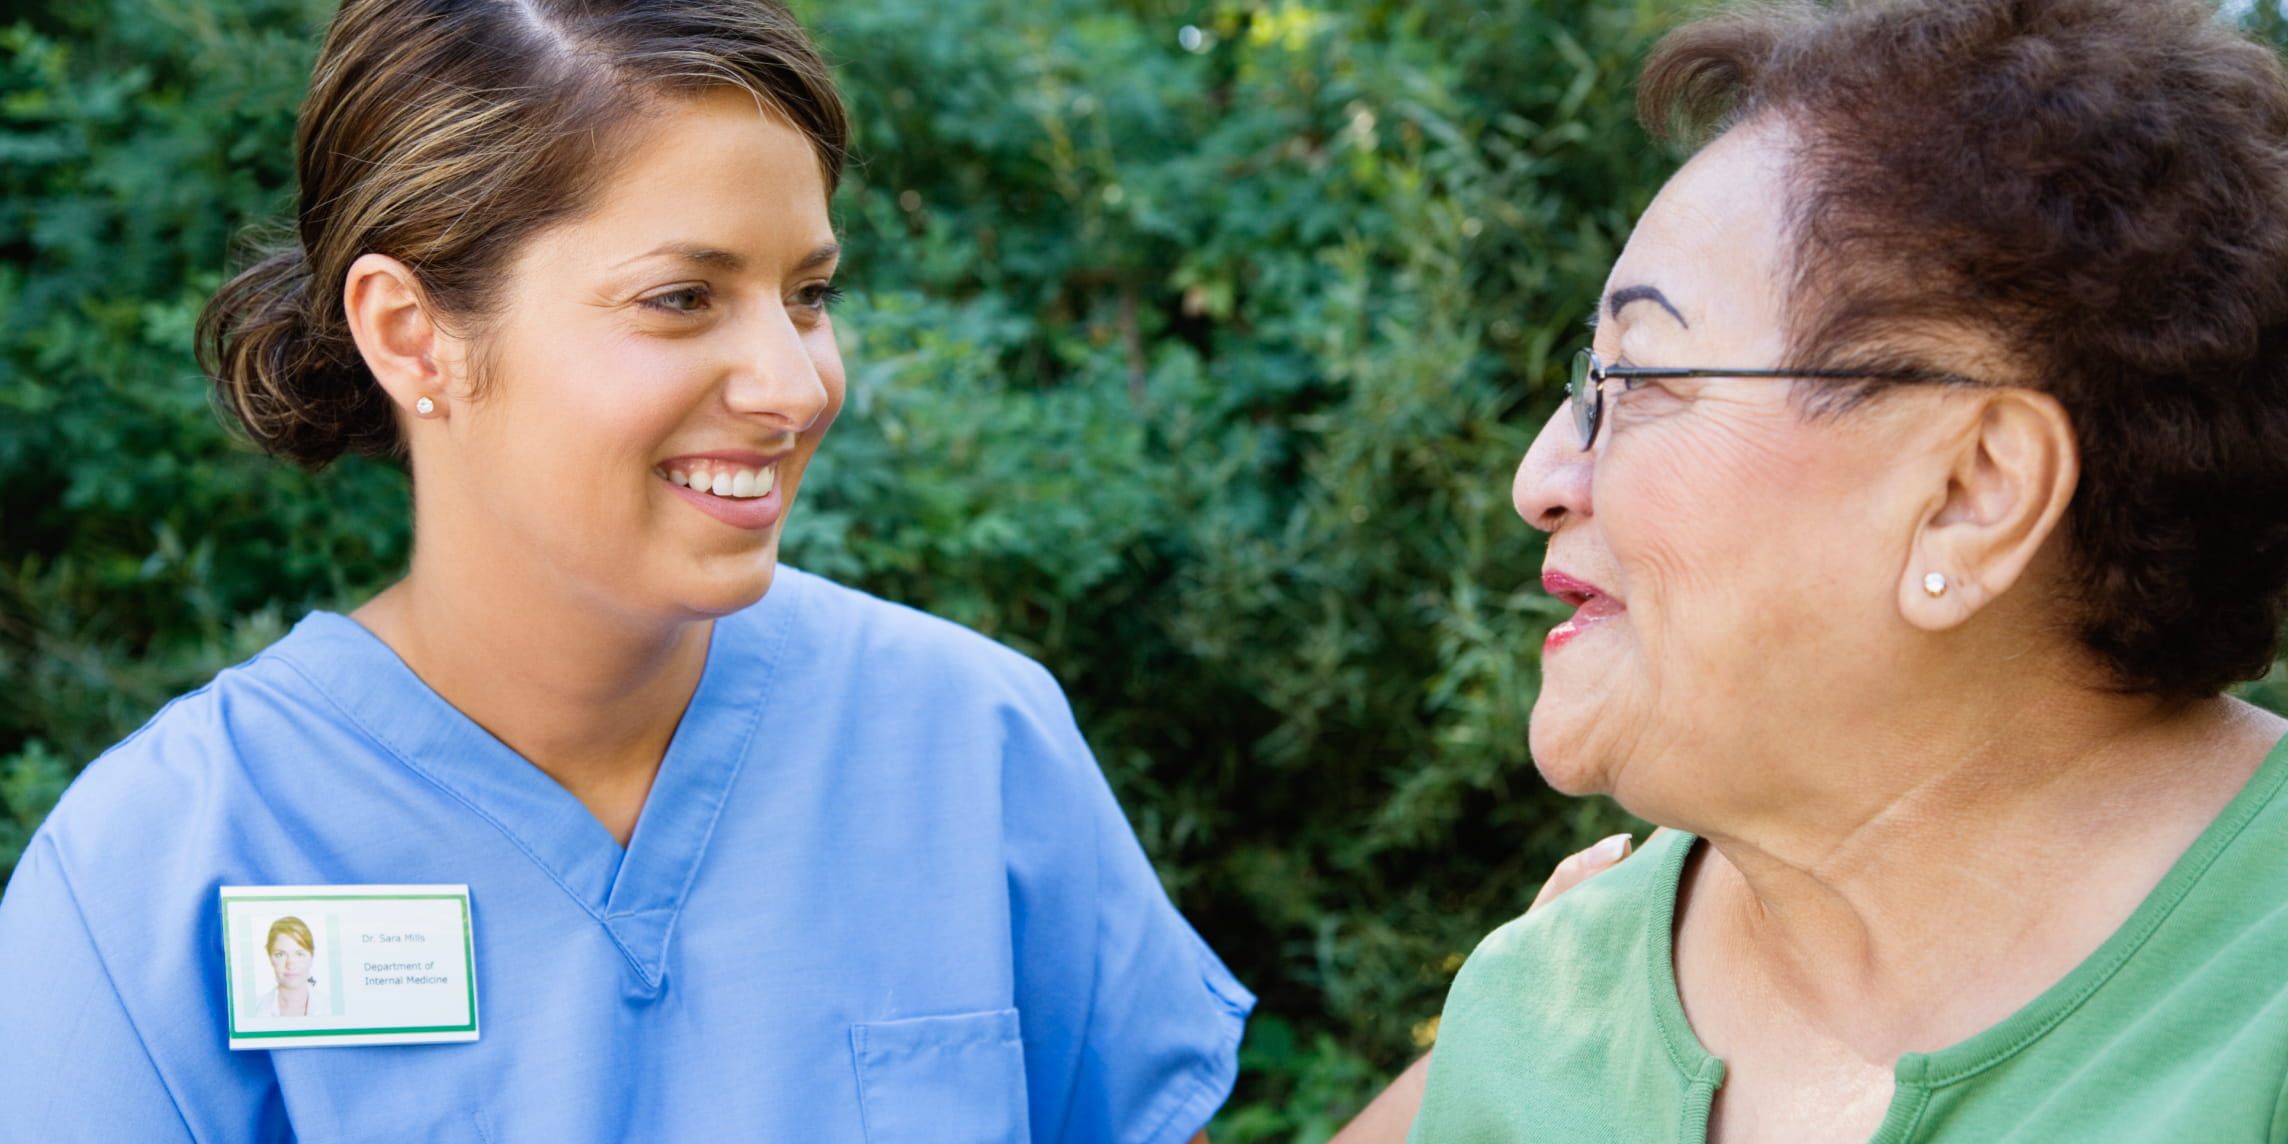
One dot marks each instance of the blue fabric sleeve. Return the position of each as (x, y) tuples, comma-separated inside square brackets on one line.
[(78, 1069), (1138, 1042)]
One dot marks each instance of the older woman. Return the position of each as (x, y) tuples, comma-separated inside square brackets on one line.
[(1924, 488), (750, 856)]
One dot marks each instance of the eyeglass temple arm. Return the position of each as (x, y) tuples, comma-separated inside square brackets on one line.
[(1657, 373)]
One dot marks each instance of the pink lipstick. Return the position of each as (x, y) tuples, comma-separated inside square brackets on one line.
[(1591, 606)]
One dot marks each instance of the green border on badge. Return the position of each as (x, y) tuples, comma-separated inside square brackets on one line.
[(231, 966)]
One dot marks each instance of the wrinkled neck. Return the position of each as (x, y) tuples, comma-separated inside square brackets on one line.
[(1999, 856)]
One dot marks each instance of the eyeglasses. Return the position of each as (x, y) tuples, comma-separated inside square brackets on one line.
[(1587, 388)]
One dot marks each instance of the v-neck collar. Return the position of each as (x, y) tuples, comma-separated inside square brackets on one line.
[(636, 894)]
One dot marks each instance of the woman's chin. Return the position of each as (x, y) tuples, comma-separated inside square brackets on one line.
[(1565, 779), (1556, 736), (719, 586)]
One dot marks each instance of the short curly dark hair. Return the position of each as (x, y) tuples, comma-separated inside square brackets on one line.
[(2100, 187)]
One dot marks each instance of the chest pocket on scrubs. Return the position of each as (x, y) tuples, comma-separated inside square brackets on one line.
[(942, 1080)]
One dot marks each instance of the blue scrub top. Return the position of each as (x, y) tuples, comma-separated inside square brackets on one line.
[(879, 893)]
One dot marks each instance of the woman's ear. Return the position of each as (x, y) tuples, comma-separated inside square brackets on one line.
[(400, 341), (2013, 471)]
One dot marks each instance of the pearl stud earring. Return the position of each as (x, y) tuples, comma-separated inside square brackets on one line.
[(1934, 585), (425, 407)]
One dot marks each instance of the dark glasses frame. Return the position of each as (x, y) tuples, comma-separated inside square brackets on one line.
[(1586, 390)]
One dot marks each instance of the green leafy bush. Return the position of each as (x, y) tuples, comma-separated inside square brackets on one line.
[(1200, 374), (1192, 346), (140, 551)]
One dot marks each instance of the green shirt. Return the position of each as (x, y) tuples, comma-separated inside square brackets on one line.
[(1565, 1025)]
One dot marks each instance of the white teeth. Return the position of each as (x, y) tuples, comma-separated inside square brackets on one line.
[(741, 484)]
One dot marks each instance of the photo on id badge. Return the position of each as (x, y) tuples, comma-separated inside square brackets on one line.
[(318, 966)]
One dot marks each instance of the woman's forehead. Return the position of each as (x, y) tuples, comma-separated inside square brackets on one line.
[(722, 171), (1713, 242)]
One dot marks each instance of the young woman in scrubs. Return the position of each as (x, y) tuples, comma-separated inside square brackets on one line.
[(751, 856)]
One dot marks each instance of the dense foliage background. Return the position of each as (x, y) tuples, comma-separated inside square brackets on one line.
[(1192, 345)]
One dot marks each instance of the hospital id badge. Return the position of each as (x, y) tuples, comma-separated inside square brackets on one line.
[(323, 966)]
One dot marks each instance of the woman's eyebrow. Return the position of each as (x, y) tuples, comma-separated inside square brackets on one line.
[(694, 253), (702, 255), (819, 257), (1628, 294)]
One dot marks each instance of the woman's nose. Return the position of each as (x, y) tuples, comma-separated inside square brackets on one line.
[(1554, 478), (775, 375)]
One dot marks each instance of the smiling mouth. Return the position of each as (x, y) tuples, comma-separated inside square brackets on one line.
[(718, 478), (1591, 607)]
